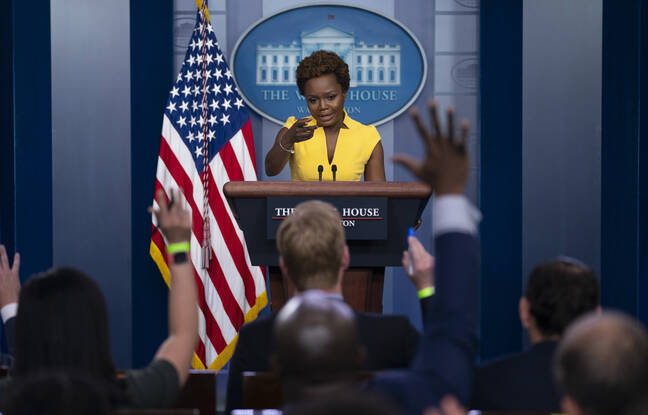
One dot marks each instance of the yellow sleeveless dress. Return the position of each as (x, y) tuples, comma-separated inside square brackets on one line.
[(352, 151)]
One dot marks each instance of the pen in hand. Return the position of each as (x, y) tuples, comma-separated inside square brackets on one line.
[(410, 265)]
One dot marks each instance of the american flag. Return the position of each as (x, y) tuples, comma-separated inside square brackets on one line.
[(207, 142)]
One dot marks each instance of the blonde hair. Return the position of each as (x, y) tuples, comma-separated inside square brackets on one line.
[(311, 242)]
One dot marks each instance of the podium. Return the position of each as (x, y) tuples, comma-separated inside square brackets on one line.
[(373, 244)]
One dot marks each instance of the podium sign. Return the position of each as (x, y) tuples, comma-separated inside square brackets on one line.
[(377, 240), (405, 201), (363, 218)]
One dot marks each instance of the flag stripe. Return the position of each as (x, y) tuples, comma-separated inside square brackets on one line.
[(239, 144), (159, 241), (230, 304), (202, 330), (179, 175), (211, 325), (230, 162), (216, 274), (226, 263), (215, 286), (249, 142), (234, 244), (221, 177)]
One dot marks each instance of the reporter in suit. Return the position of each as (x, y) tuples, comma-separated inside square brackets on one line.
[(314, 255), (557, 293)]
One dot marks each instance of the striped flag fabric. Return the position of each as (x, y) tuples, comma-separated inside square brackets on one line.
[(207, 142)]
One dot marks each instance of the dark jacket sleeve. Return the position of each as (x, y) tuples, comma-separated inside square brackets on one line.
[(444, 362), (449, 341), (391, 341), (9, 330), (254, 347), (410, 338), (234, 398), (426, 304)]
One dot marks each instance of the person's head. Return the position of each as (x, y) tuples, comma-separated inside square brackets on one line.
[(602, 366), (316, 346), (557, 292), (62, 323), (57, 393), (323, 79), (312, 247)]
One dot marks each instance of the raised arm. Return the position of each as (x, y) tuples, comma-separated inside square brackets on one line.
[(444, 363), (283, 147), (449, 341), (175, 224)]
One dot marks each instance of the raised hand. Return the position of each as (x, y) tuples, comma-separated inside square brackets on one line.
[(422, 264), (299, 131), (445, 167), (173, 220), (9, 281)]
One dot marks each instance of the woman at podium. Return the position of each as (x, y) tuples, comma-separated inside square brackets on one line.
[(329, 145)]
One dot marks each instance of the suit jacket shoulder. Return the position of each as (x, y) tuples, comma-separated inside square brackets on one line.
[(254, 347), (524, 382), (391, 340), (256, 343)]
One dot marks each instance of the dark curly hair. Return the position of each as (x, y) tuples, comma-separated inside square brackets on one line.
[(321, 63), (559, 291)]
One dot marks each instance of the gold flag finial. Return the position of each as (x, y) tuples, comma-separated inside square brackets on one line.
[(203, 6)]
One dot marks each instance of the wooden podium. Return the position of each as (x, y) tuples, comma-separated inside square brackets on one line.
[(402, 203)]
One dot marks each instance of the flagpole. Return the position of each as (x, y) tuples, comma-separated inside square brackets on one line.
[(206, 250)]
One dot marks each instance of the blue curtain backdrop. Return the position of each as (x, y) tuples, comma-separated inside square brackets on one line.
[(26, 171)]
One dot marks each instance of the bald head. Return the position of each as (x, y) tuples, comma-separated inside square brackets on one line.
[(316, 338), (602, 364)]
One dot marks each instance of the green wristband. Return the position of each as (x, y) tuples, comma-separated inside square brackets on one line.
[(178, 247), (426, 292)]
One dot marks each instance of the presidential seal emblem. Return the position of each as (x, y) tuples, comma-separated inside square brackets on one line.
[(386, 62)]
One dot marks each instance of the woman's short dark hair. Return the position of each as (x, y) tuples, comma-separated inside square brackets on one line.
[(62, 323), (321, 63)]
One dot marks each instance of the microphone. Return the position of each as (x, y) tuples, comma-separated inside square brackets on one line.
[(320, 169), (334, 170)]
